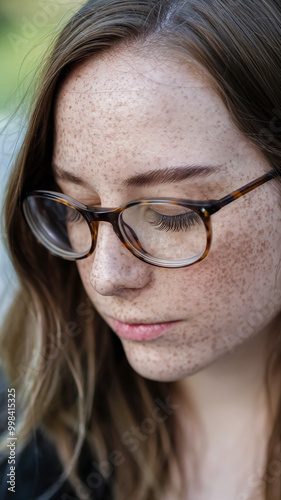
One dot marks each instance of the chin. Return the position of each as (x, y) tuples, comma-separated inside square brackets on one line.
[(160, 372), (161, 365)]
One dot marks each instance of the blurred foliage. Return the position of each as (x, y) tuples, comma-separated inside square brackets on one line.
[(26, 29)]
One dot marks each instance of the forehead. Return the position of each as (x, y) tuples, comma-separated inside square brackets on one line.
[(125, 108)]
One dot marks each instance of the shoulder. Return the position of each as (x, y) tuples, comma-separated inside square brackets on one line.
[(37, 470)]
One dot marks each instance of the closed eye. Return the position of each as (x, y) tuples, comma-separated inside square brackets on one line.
[(179, 222)]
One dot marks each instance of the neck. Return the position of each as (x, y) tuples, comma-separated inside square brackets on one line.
[(232, 422), (231, 389)]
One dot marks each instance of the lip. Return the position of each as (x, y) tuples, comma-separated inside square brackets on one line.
[(141, 332)]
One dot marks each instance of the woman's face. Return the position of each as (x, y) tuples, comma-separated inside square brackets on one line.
[(124, 115)]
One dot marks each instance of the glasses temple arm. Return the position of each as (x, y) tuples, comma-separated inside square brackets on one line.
[(247, 188)]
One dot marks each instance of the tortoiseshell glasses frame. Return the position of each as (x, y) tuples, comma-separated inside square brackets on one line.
[(93, 215)]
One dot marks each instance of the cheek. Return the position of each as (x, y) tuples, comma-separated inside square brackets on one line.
[(239, 277), (225, 300)]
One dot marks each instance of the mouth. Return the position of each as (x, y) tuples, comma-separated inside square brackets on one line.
[(140, 332)]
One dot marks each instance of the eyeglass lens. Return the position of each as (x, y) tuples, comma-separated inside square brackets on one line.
[(164, 231), (59, 227)]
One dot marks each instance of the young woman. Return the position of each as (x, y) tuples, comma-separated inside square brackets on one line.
[(143, 219)]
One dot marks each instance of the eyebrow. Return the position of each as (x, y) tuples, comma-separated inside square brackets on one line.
[(171, 175), (152, 177), (66, 176)]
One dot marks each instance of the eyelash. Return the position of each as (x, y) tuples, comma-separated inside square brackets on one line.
[(176, 223), (75, 217)]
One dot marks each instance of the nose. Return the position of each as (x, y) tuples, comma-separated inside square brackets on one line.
[(114, 269)]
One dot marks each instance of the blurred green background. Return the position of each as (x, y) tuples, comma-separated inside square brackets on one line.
[(26, 29)]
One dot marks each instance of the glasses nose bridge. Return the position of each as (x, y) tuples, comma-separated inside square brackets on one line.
[(112, 217), (107, 216)]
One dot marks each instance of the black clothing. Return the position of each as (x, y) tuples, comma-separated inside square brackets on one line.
[(38, 468)]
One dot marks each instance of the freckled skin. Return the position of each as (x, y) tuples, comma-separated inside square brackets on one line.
[(123, 114)]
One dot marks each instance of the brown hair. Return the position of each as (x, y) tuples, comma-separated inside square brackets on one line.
[(70, 372)]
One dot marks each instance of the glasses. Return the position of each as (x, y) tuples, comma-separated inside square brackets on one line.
[(163, 232)]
